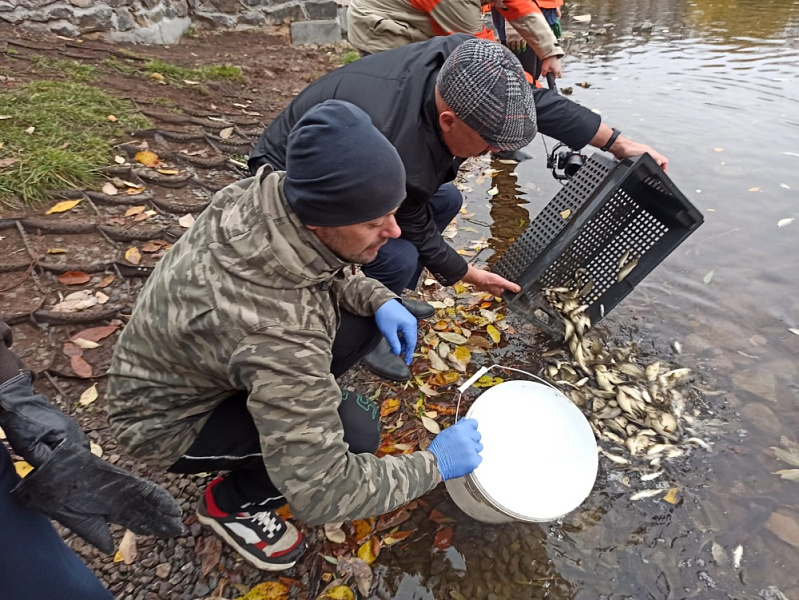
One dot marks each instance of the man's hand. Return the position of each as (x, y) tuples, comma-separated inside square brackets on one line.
[(624, 147), (551, 65), (393, 318), (457, 449), (68, 482), (490, 282)]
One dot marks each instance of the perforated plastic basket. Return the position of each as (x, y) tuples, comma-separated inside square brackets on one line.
[(608, 211)]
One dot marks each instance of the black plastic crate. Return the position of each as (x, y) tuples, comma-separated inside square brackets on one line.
[(609, 209)]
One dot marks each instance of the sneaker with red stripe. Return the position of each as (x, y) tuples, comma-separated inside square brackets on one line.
[(263, 538)]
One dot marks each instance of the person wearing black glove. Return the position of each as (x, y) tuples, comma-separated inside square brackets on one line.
[(68, 484)]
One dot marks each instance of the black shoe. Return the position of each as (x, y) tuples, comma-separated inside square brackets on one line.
[(420, 310), (387, 364), (515, 155)]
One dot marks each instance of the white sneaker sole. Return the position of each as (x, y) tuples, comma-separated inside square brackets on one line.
[(222, 532)]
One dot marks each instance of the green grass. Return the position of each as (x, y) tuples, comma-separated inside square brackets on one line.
[(71, 140), (349, 57), (120, 66), (72, 69), (205, 73)]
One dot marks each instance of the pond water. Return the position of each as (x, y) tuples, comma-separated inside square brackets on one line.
[(715, 87)]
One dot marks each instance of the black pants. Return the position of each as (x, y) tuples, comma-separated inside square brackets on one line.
[(229, 441)]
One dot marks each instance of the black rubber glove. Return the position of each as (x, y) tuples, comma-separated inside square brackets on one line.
[(69, 483), (10, 364)]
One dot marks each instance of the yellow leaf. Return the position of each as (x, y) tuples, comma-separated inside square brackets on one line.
[(460, 288), (127, 547), (369, 550), (135, 191), (389, 406), (754, 189), (134, 210), (89, 395), (22, 468), (55, 251), (96, 449), (132, 255), (63, 206), (268, 590), (486, 381), (340, 592), (148, 159), (671, 497), (118, 557), (462, 354), (112, 118), (493, 333), (157, 76), (168, 171), (565, 214)]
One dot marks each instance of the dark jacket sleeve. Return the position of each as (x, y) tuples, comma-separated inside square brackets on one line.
[(415, 219), (564, 119)]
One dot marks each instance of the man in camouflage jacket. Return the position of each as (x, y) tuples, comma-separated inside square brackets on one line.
[(228, 361)]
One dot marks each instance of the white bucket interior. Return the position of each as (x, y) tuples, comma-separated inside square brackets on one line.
[(539, 456)]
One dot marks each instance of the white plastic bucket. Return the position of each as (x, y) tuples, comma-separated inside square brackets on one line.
[(539, 456)]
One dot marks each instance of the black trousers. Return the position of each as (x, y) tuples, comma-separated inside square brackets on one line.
[(229, 440)]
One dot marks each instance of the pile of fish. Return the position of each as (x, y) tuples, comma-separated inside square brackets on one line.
[(639, 412)]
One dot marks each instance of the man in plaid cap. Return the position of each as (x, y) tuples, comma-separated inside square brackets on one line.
[(439, 102)]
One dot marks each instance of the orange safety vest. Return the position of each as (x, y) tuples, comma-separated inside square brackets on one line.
[(427, 7), (549, 3)]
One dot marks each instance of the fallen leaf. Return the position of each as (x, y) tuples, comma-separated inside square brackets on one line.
[(363, 529), (428, 391), (96, 449), (95, 334), (486, 381), (22, 468), (582, 18), (784, 222), (107, 280), (339, 592), (436, 362), (151, 247), (359, 570), (443, 539), (142, 217), (395, 537), (157, 77), (389, 406), (132, 255), (186, 220), (430, 425), (135, 191), (109, 189), (754, 189), (209, 549), (453, 338), (191, 82), (112, 118), (63, 206), (56, 251), (493, 191), (148, 158), (493, 333), (369, 550), (784, 527), (707, 278), (565, 214), (120, 160), (30, 130), (86, 344), (168, 171), (226, 133), (284, 512), (80, 367), (436, 516), (7, 162), (74, 278), (671, 497), (334, 533), (394, 518), (88, 396), (134, 210), (127, 547)]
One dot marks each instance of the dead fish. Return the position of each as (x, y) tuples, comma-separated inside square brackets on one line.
[(674, 378), (626, 270), (651, 476), (632, 369), (646, 494), (652, 371), (619, 460), (698, 442), (737, 555), (623, 258)]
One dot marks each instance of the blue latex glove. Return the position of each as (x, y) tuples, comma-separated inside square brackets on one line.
[(393, 318), (457, 449)]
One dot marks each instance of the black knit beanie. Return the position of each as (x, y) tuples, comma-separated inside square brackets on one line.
[(340, 170)]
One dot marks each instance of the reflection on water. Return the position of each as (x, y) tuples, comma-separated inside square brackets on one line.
[(715, 87)]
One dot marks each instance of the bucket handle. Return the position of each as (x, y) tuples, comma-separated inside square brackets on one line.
[(482, 371)]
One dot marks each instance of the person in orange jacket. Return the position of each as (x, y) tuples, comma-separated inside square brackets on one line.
[(377, 25), (552, 13)]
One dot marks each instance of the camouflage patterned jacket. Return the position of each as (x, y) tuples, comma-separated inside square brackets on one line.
[(248, 299)]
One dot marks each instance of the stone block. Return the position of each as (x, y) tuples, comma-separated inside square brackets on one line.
[(57, 12), (100, 19), (342, 19), (150, 4), (321, 10), (230, 7), (124, 19), (315, 32), (252, 20), (64, 28), (181, 8), (284, 14), (81, 3), (165, 32), (6, 7)]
